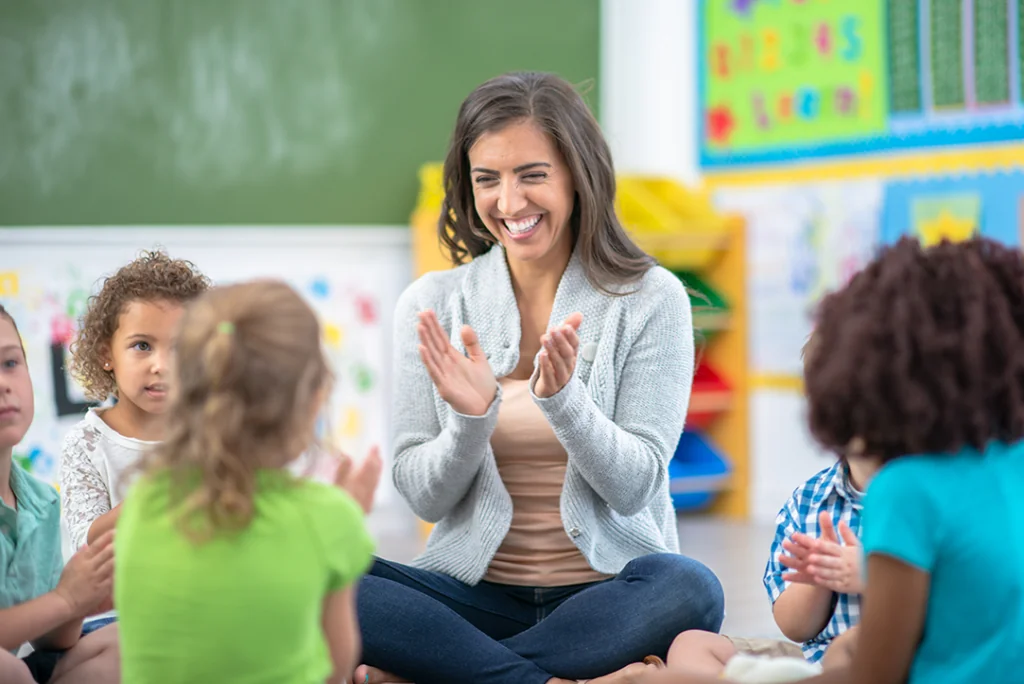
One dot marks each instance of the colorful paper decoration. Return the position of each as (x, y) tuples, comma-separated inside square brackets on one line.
[(783, 79), (946, 217)]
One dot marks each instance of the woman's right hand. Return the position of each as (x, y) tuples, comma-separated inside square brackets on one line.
[(465, 381)]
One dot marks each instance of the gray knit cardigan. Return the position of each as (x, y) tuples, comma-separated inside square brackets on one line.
[(619, 417)]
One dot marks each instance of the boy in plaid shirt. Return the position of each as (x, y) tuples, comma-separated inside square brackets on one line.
[(813, 577)]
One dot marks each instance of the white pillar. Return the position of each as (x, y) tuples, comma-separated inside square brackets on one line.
[(649, 86)]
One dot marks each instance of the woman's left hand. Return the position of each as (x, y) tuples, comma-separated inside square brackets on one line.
[(557, 359)]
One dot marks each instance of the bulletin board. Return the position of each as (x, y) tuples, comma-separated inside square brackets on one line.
[(351, 276), (803, 240), (806, 238), (956, 206), (795, 79)]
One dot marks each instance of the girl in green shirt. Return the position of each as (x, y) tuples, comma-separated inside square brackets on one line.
[(229, 569)]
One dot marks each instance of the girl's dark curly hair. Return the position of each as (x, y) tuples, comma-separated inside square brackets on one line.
[(922, 352), (153, 277)]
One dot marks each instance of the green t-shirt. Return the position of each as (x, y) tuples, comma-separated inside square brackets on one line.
[(244, 608)]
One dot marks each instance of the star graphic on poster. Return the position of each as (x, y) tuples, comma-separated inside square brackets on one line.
[(946, 226)]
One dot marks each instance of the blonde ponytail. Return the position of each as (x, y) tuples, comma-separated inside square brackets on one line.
[(250, 374)]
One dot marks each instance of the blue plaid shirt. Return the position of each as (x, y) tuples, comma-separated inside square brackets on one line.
[(829, 490)]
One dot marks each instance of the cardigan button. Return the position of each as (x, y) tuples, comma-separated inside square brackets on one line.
[(589, 352), (574, 532)]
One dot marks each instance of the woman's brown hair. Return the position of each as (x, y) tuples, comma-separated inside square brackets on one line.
[(251, 376), (608, 255), (922, 352)]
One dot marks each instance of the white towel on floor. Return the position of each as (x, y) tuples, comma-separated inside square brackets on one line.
[(750, 669)]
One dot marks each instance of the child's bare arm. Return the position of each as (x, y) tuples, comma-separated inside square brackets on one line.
[(342, 632), (894, 609), (802, 611), (33, 620), (54, 620)]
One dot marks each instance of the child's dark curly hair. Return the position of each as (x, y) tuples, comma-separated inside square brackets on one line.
[(152, 277), (922, 352)]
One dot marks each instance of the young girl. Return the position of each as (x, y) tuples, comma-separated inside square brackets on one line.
[(927, 372), (229, 568), (41, 600), (123, 349)]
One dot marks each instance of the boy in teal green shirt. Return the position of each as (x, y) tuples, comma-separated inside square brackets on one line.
[(41, 601)]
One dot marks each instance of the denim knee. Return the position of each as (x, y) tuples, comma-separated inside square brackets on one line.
[(686, 588)]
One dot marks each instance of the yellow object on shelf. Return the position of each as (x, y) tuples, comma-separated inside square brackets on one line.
[(431, 187), (676, 226), (427, 251)]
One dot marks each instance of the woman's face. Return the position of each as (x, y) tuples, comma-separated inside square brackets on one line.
[(524, 192)]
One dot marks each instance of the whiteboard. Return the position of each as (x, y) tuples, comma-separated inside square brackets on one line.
[(352, 276)]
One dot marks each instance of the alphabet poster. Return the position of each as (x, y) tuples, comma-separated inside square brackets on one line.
[(787, 79)]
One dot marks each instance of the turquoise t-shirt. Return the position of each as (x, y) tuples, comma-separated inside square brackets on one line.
[(243, 608), (30, 556), (961, 519)]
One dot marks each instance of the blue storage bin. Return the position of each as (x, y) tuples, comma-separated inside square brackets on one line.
[(696, 472)]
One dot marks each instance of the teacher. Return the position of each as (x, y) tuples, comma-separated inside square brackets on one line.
[(540, 392)]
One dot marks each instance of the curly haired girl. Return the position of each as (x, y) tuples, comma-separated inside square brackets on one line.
[(230, 568), (122, 351), (924, 369)]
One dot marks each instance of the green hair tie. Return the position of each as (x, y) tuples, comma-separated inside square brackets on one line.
[(226, 327)]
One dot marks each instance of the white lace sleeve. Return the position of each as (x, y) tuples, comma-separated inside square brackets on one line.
[(84, 494)]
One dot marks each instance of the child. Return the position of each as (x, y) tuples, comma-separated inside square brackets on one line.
[(812, 579), (229, 568), (926, 370), (123, 349), (40, 602)]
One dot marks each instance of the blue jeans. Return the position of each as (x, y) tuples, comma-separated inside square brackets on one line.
[(427, 627)]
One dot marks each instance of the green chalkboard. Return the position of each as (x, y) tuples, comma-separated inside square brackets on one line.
[(129, 112)]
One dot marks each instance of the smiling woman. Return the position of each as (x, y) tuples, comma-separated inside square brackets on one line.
[(541, 391)]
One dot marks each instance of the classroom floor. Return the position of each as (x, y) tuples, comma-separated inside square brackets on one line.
[(735, 551)]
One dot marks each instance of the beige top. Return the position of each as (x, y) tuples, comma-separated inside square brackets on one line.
[(537, 551)]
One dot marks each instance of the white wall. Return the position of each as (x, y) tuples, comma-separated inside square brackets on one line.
[(649, 114), (649, 86)]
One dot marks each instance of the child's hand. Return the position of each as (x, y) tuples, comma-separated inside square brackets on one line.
[(360, 479), (88, 578), (800, 547), (835, 566)]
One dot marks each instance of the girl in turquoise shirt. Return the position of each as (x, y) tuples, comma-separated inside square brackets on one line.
[(925, 370)]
